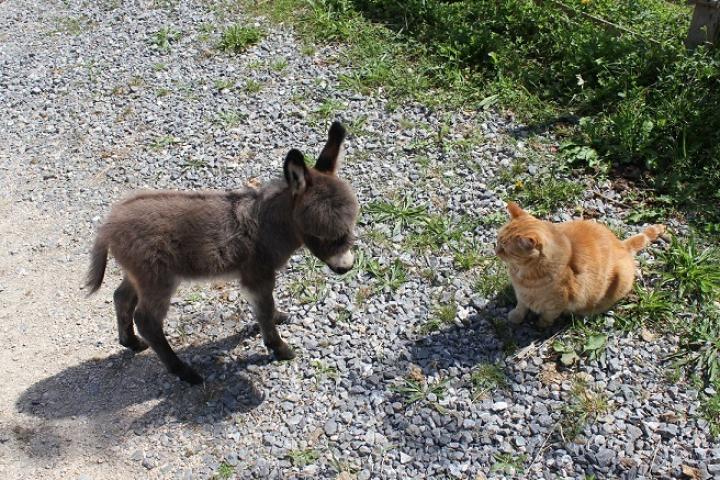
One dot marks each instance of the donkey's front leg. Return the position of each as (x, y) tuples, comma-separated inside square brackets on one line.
[(267, 316)]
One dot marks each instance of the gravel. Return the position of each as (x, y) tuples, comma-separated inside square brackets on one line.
[(88, 114)]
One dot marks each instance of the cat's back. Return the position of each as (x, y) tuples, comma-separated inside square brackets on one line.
[(589, 234)]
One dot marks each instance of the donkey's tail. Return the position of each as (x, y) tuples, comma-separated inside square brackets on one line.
[(98, 261), (637, 242)]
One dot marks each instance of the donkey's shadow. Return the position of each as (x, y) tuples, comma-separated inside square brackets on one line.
[(108, 387)]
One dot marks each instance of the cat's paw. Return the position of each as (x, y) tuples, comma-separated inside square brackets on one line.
[(516, 315), (546, 321)]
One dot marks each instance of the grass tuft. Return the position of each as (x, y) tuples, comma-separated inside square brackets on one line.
[(238, 38)]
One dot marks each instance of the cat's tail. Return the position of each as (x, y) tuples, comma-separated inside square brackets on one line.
[(637, 242)]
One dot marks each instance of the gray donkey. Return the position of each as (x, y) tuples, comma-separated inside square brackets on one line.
[(160, 238)]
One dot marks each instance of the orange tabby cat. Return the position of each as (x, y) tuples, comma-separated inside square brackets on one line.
[(573, 267)]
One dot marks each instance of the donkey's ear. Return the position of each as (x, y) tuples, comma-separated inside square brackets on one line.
[(296, 172), (328, 159), (515, 210)]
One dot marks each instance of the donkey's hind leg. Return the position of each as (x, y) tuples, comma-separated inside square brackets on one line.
[(149, 316), (126, 299)]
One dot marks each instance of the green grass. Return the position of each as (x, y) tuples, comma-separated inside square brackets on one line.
[(230, 119), (238, 38), (400, 213), (487, 378), (699, 349), (710, 409), (224, 84), (653, 307), (584, 407), (252, 86), (641, 99), (691, 270), (442, 315), (279, 64)]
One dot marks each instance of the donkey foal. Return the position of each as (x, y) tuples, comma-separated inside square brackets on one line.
[(160, 238)]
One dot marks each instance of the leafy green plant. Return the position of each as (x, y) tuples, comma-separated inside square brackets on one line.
[(387, 276), (238, 38), (224, 471), (252, 86), (303, 458), (583, 342), (164, 37), (508, 464)]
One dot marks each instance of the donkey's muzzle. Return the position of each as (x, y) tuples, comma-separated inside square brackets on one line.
[(341, 263), (341, 270)]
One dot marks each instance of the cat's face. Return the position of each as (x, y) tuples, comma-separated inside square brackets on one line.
[(522, 239)]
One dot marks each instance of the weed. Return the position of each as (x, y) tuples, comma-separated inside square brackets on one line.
[(327, 109), (710, 408), (279, 64), (164, 37), (159, 67), (252, 86), (692, 270), (402, 213), (585, 406), (323, 371), (390, 276), (224, 84), (585, 340), (493, 279), (162, 92), (224, 471), (303, 458), (71, 25), (508, 464), (487, 377), (230, 119), (699, 349), (164, 141), (417, 390), (645, 306), (237, 38), (193, 164), (441, 315)]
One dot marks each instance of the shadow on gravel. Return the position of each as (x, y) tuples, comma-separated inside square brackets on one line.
[(101, 389), (488, 338)]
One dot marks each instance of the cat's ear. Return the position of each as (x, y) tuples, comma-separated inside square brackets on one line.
[(515, 210), (527, 243)]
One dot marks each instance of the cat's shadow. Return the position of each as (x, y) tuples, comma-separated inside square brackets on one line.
[(486, 337)]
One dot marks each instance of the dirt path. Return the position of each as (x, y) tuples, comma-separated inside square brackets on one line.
[(47, 326)]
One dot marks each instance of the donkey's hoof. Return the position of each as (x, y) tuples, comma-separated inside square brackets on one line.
[(284, 352), (281, 318), (134, 344), (187, 374)]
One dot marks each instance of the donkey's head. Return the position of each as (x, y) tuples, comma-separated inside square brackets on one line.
[(325, 208)]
